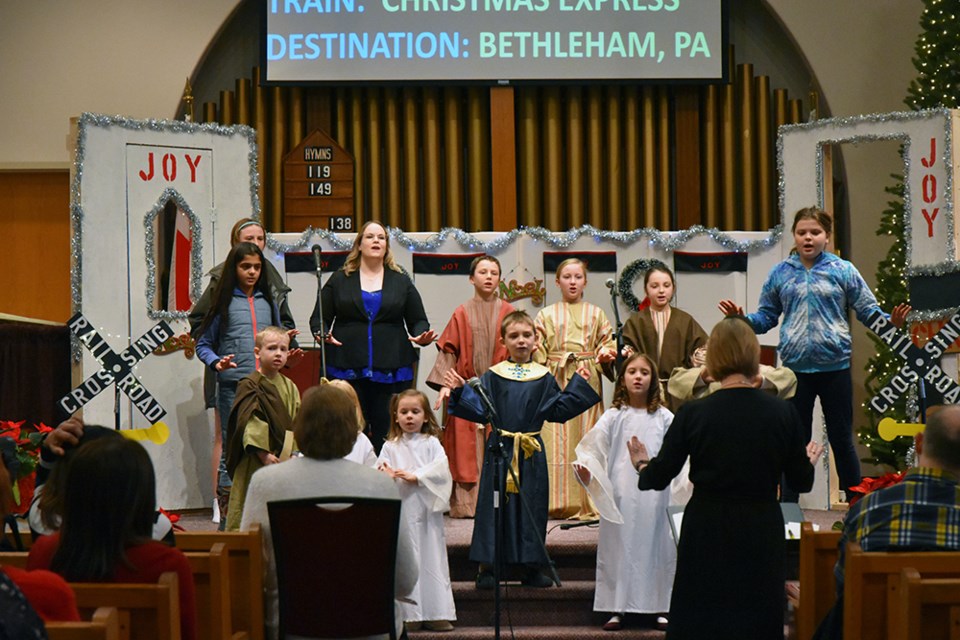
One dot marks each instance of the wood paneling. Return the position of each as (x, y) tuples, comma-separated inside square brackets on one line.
[(36, 262)]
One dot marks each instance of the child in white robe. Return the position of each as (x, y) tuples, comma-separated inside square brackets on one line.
[(636, 555), (414, 457)]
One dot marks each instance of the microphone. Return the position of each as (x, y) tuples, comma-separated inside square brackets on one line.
[(611, 283), (475, 384), (316, 256)]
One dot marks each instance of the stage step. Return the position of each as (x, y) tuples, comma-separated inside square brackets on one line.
[(564, 613), (540, 633)]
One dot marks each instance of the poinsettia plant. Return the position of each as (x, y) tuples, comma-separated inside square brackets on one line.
[(28, 441), (872, 484)]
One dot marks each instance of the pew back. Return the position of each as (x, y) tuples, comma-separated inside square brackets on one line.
[(245, 553), (147, 611), (104, 625), (211, 579), (929, 608), (16, 559), (818, 586), (871, 587)]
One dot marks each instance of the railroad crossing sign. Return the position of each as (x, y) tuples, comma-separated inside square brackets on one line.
[(117, 368), (920, 363)]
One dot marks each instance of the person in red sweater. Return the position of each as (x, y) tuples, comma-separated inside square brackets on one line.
[(46, 593), (105, 533)]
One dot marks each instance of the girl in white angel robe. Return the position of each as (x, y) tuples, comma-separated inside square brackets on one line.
[(415, 458), (636, 554)]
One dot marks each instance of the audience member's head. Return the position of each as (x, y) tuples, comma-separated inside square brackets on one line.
[(733, 349), (350, 391), (939, 444), (108, 505), (51, 499), (326, 425)]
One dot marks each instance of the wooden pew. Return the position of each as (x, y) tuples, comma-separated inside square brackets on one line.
[(928, 608), (871, 586), (818, 587), (104, 625), (147, 611), (245, 552), (16, 559), (211, 579), (211, 576)]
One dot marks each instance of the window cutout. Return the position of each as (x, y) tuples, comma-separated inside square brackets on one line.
[(173, 250)]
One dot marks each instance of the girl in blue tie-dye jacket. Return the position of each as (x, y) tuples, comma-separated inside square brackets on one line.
[(814, 290)]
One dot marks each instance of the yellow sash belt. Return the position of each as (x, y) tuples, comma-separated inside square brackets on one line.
[(529, 443)]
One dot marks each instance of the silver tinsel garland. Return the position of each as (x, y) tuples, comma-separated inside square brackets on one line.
[(668, 241), (87, 120)]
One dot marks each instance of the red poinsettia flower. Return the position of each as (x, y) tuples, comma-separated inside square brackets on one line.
[(872, 484), (10, 429), (28, 441)]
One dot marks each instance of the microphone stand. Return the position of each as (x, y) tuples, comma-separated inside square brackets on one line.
[(618, 329), (323, 338)]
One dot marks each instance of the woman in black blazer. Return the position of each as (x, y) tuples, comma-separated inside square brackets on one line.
[(372, 317)]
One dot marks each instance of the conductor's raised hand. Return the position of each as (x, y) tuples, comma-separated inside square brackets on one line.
[(730, 308), (453, 380), (441, 397), (898, 317), (226, 362), (424, 338), (638, 451)]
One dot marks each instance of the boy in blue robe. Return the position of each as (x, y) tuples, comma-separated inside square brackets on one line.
[(524, 395)]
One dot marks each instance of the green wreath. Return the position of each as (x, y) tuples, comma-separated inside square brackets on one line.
[(629, 275)]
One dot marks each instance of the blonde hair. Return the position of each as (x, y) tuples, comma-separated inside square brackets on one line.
[(240, 225), (276, 332), (569, 261), (734, 348), (350, 391), (516, 317), (621, 397), (430, 424), (352, 263)]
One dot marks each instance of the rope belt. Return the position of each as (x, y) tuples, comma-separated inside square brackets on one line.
[(529, 443)]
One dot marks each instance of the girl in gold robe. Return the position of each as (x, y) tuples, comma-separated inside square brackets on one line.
[(572, 332)]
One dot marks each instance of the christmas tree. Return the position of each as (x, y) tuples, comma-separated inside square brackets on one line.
[(937, 62)]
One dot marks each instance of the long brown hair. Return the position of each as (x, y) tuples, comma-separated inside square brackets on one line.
[(816, 214), (430, 425), (621, 397), (352, 263), (223, 293), (95, 533)]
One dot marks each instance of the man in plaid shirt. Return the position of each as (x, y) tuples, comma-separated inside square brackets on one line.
[(920, 513)]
